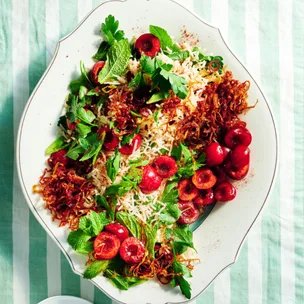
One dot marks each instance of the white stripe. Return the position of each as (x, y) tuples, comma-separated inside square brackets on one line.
[(287, 162), (219, 13), (52, 30), (86, 288), (20, 226), (255, 288)]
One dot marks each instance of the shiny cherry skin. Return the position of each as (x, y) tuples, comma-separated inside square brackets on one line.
[(111, 141), (187, 191), (237, 136), (134, 145), (236, 174), (151, 181), (220, 174), (204, 179), (190, 213), (205, 197), (214, 154), (226, 152), (240, 156), (225, 192), (132, 250), (95, 71), (148, 44), (165, 166), (59, 157), (106, 246), (119, 230)]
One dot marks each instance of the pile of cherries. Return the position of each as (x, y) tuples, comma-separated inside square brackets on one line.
[(210, 183), (115, 239)]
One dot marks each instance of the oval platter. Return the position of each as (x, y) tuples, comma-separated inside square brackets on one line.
[(219, 239)]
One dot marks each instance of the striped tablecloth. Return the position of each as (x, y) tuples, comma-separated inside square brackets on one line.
[(268, 35)]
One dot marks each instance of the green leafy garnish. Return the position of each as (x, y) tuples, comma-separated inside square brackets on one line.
[(158, 97), (182, 282), (112, 165), (130, 222), (139, 162), (162, 35), (180, 236), (150, 237), (171, 214), (117, 61), (95, 268), (170, 194), (148, 64), (137, 82), (84, 80), (102, 51), (103, 203), (56, 145), (121, 188), (179, 55), (78, 240), (110, 30)]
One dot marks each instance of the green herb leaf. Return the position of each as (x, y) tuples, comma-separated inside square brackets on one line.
[(83, 129), (84, 80), (178, 83), (186, 152), (95, 145), (85, 225), (179, 55), (176, 152), (110, 30), (158, 97), (117, 61), (75, 151), (103, 203), (56, 145), (86, 116), (130, 222), (139, 162), (117, 280), (112, 165), (170, 194), (127, 139), (99, 221), (183, 283), (78, 241), (170, 215), (181, 236), (137, 82), (162, 35), (82, 92), (95, 268), (120, 189), (150, 237), (101, 54), (155, 115), (148, 64)]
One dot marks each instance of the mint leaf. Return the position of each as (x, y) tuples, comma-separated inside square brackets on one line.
[(117, 280), (137, 82), (162, 35), (94, 147), (84, 80), (110, 30), (56, 145), (117, 61), (139, 162), (148, 64), (82, 92), (95, 268), (130, 222), (83, 129), (85, 225), (150, 238), (112, 165), (176, 152), (98, 221), (75, 151), (170, 215), (179, 55), (158, 97), (103, 203), (78, 239), (120, 189)]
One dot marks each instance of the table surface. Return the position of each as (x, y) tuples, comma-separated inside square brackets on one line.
[(268, 35)]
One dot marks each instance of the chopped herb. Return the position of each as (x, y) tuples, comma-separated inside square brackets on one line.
[(130, 222), (112, 165), (95, 268)]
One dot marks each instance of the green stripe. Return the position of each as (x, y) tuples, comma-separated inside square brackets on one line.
[(7, 152), (271, 230), (236, 38), (70, 282), (203, 9), (298, 42), (37, 250)]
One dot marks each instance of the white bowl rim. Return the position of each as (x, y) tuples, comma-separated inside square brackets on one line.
[(19, 134)]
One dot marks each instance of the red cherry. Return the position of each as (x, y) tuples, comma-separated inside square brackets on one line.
[(237, 174), (165, 166), (225, 192), (95, 71), (190, 213), (237, 136), (59, 157), (205, 197), (226, 152), (106, 246), (214, 154), (134, 145), (220, 175), (111, 141), (151, 181), (240, 156), (119, 230), (187, 191), (132, 250), (147, 44), (204, 178)]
